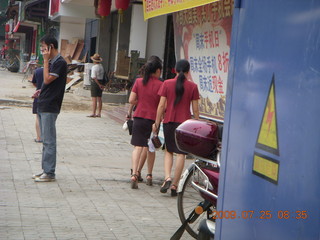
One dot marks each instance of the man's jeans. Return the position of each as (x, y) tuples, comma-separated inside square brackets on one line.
[(48, 133)]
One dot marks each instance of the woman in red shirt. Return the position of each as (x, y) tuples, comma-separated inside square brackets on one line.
[(144, 96), (176, 97)]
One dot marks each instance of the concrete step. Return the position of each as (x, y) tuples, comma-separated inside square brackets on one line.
[(120, 97)]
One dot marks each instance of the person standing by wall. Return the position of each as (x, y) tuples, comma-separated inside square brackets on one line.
[(144, 97), (37, 81), (97, 72), (49, 104), (176, 96)]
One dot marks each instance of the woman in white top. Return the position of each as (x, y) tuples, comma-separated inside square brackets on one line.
[(97, 72)]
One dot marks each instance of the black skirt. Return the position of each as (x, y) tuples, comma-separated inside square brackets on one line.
[(141, 131), (169, 137)]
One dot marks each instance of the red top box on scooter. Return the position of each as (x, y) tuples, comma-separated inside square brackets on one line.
[(198, 137)]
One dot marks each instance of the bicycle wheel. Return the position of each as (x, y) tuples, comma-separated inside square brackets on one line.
[(2, 67), (13, 66), (188, 199), (114, 89)]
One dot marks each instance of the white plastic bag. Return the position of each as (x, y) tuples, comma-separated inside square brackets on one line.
[(151, 147), (125, 126)]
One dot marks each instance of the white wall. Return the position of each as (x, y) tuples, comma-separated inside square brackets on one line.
[(78, 11), (70, 31), (138, 31), (156, 36)]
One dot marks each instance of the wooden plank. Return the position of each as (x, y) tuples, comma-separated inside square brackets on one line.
[(73, 48), (123, 62), (63, 47), (83, 60), (121, 77), (78, 50), (68, 59), (68, 50), (73, 81)]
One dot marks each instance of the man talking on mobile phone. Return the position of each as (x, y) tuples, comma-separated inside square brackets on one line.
[(49, 104)]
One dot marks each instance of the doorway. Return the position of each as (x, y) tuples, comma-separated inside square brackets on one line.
[(93, 45), (169, 54)]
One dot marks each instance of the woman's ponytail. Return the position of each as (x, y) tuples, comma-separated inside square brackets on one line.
[(182, 67), (146, 74), (154, 63), (179, 87)]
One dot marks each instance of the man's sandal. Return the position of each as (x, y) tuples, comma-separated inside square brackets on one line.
[(134, 181), (165, 185), (149, 179)]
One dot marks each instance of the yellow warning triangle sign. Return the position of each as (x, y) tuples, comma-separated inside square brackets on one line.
[(268, 134)]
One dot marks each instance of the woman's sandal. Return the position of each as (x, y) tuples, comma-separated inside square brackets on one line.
[(174, 190), (149, 179), (140, 179), (134, 181), (165, 185)]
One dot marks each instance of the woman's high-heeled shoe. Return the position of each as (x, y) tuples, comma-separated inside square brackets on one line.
[(165, 185), (140, 179), (134, 181), (173, 190), (149, 179)]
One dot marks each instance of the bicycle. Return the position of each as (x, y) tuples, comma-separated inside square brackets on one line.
[(29, 69), (114, 85), (13, 63), (3, 64)]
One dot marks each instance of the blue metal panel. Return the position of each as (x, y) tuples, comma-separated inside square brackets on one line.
[(280, 37)]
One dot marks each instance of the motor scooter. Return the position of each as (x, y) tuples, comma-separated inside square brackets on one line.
[(198, 186)]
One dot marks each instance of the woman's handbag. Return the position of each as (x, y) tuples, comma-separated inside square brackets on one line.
[(156, 141), (130, 124)]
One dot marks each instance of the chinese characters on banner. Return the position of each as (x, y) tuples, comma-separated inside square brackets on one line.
[(202, 35), (153, 8)]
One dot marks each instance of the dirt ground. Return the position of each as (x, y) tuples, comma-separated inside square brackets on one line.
[(16, 92)]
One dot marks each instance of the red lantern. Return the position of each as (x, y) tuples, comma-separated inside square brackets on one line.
[(104, 7), (122, 5)]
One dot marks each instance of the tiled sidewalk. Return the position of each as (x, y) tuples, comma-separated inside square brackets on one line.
[(91, 198)]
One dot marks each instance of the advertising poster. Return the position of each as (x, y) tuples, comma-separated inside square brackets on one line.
[(202, 36)]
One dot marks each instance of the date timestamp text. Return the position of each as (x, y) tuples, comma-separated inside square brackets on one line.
[(263, 214)]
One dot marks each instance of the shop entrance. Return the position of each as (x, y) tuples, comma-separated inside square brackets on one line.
[(169, 54)]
